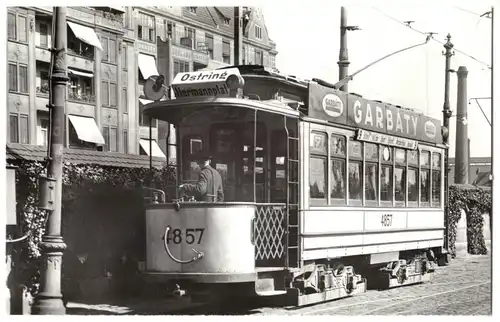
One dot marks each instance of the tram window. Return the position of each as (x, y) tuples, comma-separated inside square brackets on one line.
[(424, 186), (412, 185), (196, 146), (318, 143), (400, 156), (436, 188), (386, 183), (399, 185), (371, 152), (371, 179), (317, 177), (354, 180), (338, 179), (355, 149), (424, 158), (337, 145), (413, 158), (436, 180)]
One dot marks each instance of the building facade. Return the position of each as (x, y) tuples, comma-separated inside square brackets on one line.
[(110, 53), (479, 171)]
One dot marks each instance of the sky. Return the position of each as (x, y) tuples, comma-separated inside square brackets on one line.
[(307, 37)]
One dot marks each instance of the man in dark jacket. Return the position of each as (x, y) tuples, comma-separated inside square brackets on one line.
[(209, 185)]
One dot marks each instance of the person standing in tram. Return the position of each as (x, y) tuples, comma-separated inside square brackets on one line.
[(209, 185)]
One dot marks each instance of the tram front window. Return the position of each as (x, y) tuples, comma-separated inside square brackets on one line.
[(239, 150)]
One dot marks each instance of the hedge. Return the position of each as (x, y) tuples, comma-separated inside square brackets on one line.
[(110, 195), (475, 202)]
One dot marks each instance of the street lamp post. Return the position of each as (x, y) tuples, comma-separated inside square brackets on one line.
[(446, 131), (49, 299)]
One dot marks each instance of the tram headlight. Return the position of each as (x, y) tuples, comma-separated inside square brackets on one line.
[(235, 82)]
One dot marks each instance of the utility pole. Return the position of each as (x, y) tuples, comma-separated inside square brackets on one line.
[(238, 36), (446, 135), (343, 54), (461, 145), (49, 300)]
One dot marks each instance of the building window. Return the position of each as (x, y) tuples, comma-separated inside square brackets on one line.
[(227, 21), (171, 31), (180, 66), (125, 141), (18, 78), (78, 47), (189, 38), (17, 27), (124, 100), (244, 56), (19, 129), (226, 52), (123, 57), (81, 88), (42, 77), (146, 27), (108, 94), (109, 50), (258, 32), (44, 35), (110, 139), (209, 39), (259, 57), (43, 129), (192, 10), (318, 167)]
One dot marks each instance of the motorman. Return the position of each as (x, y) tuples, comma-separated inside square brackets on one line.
[(209, 185)]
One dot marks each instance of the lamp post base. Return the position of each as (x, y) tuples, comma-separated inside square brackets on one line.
[(48, 305)]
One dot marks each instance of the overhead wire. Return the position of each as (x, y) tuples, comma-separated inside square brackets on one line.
[(423, 33)]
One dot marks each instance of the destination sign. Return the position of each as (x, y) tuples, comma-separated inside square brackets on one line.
[(385, 139), (203, 83), (348, 109)]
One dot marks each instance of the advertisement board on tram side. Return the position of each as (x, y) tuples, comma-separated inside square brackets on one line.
[(327, 103), (342, 108)]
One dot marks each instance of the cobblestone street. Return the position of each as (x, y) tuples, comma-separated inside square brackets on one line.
[(462, 288)]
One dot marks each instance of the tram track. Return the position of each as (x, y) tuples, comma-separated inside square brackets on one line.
[(407, 299)]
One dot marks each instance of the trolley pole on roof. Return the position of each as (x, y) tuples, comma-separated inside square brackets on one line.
[(238, 36), (49, 299)]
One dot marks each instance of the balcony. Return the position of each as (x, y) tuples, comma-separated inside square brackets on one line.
[(112, 20), (42, 90), (186, 53), (81, 97)]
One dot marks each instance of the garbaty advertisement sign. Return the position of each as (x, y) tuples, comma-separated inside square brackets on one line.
[(203, 83), (348, 109)]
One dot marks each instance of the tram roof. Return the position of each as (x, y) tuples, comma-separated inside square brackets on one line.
[(316, 99), (173, 111)]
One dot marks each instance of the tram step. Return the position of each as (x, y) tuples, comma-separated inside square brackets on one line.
[(270, 293)]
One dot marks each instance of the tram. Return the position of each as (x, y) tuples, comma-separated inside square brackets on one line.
[(326, 193)]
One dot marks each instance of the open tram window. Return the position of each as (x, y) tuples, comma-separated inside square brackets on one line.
[(318, 167), (355, 172), (338, 182), (386, 178), (425, 178), (436, 180), (371, 173), (247, 165), (278, 167), (400, 178)]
